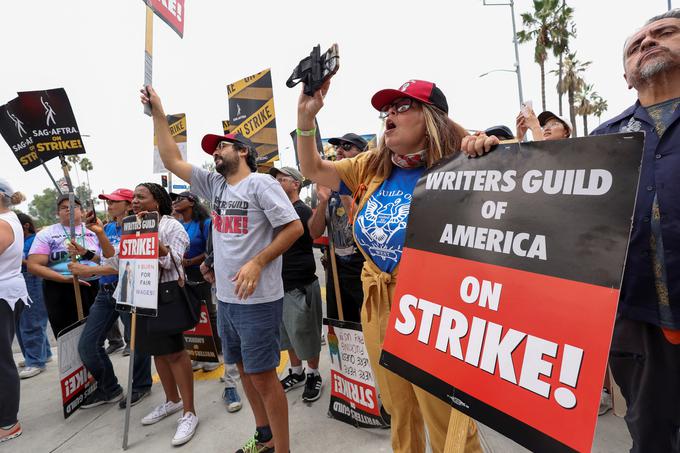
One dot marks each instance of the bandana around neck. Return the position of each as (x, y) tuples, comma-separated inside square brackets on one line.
[(413, 160)]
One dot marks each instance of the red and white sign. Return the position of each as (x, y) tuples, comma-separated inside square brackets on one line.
[(509, 282), (171, 11)]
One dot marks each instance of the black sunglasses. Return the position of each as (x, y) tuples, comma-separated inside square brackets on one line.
[(345, 146)]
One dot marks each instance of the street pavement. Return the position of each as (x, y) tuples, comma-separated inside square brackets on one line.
[(100, 429)]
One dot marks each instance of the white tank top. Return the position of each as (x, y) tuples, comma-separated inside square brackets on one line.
[(12, 284)]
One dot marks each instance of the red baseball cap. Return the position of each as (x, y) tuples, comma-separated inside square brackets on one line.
[(419, 90), (210, 141), (118, 195)]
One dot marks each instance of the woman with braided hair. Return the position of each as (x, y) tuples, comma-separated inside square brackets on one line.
[(171, 359)]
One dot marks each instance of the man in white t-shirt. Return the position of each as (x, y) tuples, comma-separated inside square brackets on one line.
[(253, 224)]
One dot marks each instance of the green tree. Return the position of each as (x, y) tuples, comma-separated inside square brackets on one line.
[(561, 32), (572, 82), (86, 166), (537, 29), (74, 159), (599, 106), (584, 103), (43, 207), (210, 166)]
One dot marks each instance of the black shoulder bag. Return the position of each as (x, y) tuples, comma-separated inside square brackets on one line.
[(179, 307)]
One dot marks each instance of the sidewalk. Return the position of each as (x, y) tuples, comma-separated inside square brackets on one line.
[(100, 429)]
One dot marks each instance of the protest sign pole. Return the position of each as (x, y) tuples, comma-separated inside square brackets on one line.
[(334, 271), (49, 173), (72, 227), (128, 402), (456, 435), (148, 54)]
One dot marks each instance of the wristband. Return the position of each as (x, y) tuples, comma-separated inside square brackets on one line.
[(88, 255), (309, 133)]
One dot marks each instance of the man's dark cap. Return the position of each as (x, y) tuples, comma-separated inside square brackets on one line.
[(354, 139)]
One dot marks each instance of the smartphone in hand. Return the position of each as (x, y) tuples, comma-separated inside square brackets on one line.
[(527, 107)]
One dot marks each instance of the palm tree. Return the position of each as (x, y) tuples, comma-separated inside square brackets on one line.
[(74, 159), (562, 30), (86, 166), (537, 28), (584, 103), (599, 106), (571, 84)]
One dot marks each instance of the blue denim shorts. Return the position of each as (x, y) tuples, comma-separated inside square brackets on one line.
[(252, 334)]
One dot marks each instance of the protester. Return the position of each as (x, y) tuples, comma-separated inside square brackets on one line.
[(48, 258), (196, 221), (253, 224), (418, 133), (13, 297), (503, 133), (171, 359), (302, 311), (645, 350), (547, 126), (103, 315), (333, 211), (32, 327), (230, 396)]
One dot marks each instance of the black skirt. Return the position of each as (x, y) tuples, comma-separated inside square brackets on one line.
[(154, 344)]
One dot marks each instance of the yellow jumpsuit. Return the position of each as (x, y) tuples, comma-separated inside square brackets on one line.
[(410, 406)]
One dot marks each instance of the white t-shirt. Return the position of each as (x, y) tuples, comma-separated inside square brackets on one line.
[(244, 219), (12, 284)]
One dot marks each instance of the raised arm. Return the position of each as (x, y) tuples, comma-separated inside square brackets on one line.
[(312, 166), (170, 155), (317, 223)]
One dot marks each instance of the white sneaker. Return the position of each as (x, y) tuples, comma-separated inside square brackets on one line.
[(162, 411), (186, 427), (30, 371)]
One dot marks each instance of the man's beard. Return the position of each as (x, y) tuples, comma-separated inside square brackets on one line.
[(226, 167), (654, 68)]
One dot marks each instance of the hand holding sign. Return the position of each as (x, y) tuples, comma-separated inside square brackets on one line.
[(478, 144)]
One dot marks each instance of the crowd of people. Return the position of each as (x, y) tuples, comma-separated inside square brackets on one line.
[(254, 253)]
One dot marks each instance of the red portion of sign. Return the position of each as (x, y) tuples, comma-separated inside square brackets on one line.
[(171, 11), (203, 327), (144, 246), (74, 383), (532, 346), (357, 394)]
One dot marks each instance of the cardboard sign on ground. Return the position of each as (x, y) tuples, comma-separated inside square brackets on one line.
[(509, 283), (76, 382), (199, 341), (354, 396)]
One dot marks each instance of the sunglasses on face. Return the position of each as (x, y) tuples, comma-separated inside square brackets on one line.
[(344, 146), (400, 106)]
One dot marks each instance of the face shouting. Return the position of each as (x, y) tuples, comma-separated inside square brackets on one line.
[(404, 126)]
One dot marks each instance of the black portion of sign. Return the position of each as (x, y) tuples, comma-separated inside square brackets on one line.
[(571, 253), (340, 410), (40, 125), (16, 132), (520, 432), (148, 224), (125, 308)]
